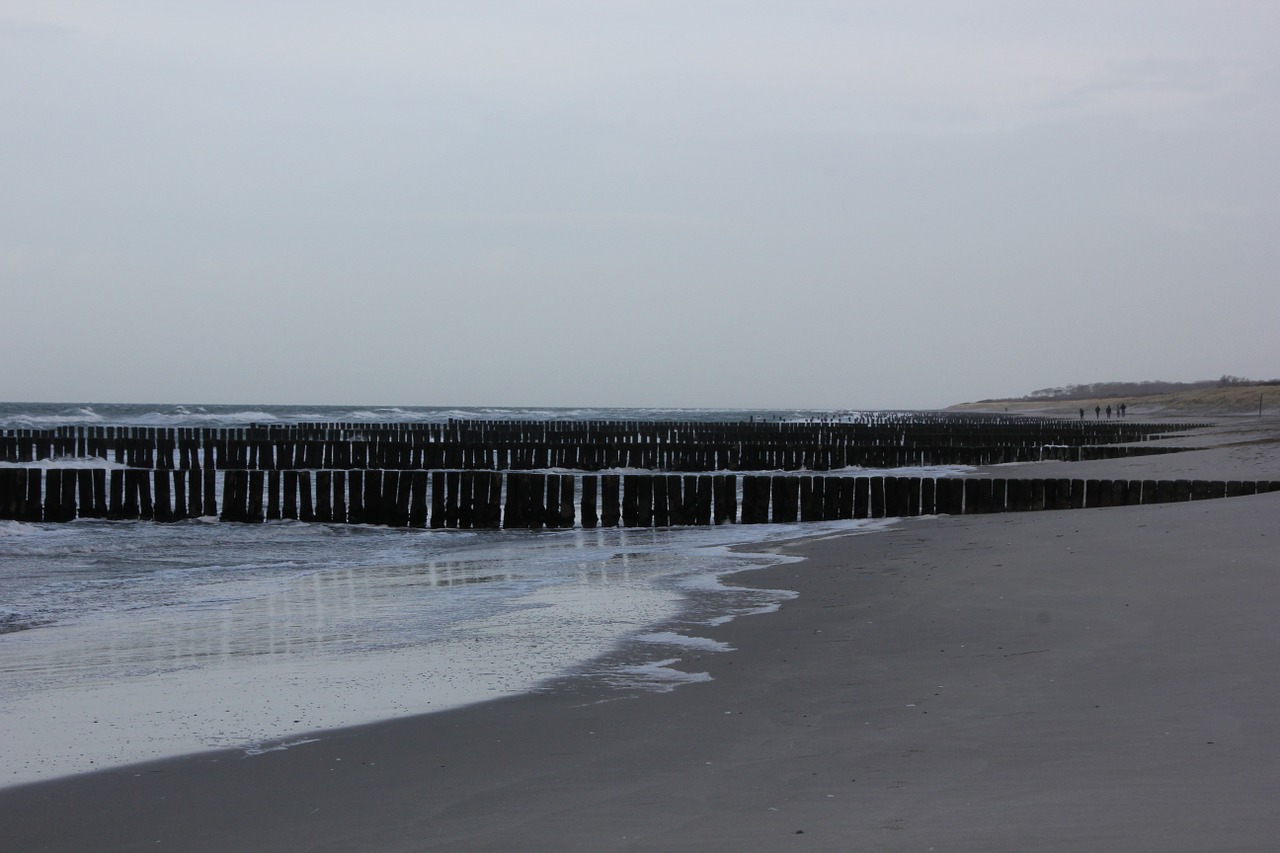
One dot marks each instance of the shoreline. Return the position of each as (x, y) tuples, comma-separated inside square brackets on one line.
[(1080, 679)]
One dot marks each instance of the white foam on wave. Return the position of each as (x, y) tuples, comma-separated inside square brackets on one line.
[(90, 462), (656, 676), (671, 638)]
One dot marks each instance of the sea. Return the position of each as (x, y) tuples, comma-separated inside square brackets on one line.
[(125, 641)]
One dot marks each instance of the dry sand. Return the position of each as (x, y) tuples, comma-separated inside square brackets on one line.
[(1078, 680)]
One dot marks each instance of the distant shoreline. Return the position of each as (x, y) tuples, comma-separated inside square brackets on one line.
[(1206, 403)]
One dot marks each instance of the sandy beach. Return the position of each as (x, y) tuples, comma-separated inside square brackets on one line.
[(1076, 680)]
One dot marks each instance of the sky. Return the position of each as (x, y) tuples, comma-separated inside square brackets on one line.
[(899, 204)]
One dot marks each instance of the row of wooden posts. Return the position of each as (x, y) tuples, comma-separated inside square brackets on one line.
[(592, 446), (488, 499), (281, 455)]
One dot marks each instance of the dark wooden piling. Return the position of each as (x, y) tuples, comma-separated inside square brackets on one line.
[(209, 502), (163, 505), (831, 498), (590, 515), (893, 507), (513, 514), (610, 500), (493, 503), (399, 490), (949, 493), (877, 497), (84, 488), (289, 509), (13, 491), (178, 511), (703, 501), (565, 512), (355, 496), (862, 497), (679, 509), (254, 513), (53, 495), (33, 505), (235, 495), (306, 505), (755, 499), (134, 478), (912, 487), (375, 509), (418, 482), (324, 496), (550, 514), (273, 496), (785, 496), (99, 494), (644, 500), (661, 509)]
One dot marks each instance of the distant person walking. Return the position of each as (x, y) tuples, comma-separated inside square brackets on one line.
[(1082, 413), (1108, 411), (1097, 412)]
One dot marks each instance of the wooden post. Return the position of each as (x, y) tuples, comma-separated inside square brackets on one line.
[(535, 501), (132, 489), (33, 506), (928, 496), (84, 486), (862, 497), (375, 510), (234, 497), (210, 482), (355, 496), (273, 495), (306, 509), (513, 516), (53, 494), (590, 516), (610, 489), (566, 501), (179, 494), (163, 503), (786, 499), (290, 508), (661, 512), (418, 499), (254, 513), (755, 499), (877, 497), (324, 494), (890, 506)]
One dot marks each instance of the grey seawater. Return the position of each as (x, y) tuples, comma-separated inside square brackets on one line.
[(53, 415), (125, 641)]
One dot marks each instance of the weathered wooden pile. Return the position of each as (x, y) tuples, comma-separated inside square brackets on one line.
[(548, 474)]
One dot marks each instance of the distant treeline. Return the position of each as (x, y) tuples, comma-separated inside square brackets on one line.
[(1094, 390)]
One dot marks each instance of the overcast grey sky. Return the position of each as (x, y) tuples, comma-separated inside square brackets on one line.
[(747, 204)]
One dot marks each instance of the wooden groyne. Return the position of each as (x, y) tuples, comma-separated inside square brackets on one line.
[(563, 474), (686, 447), (468, 499)]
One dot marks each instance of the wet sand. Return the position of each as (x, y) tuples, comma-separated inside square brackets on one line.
[(1078, 680)]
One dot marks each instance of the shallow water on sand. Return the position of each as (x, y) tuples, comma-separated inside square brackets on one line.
[(128, 640), (124, 641)]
